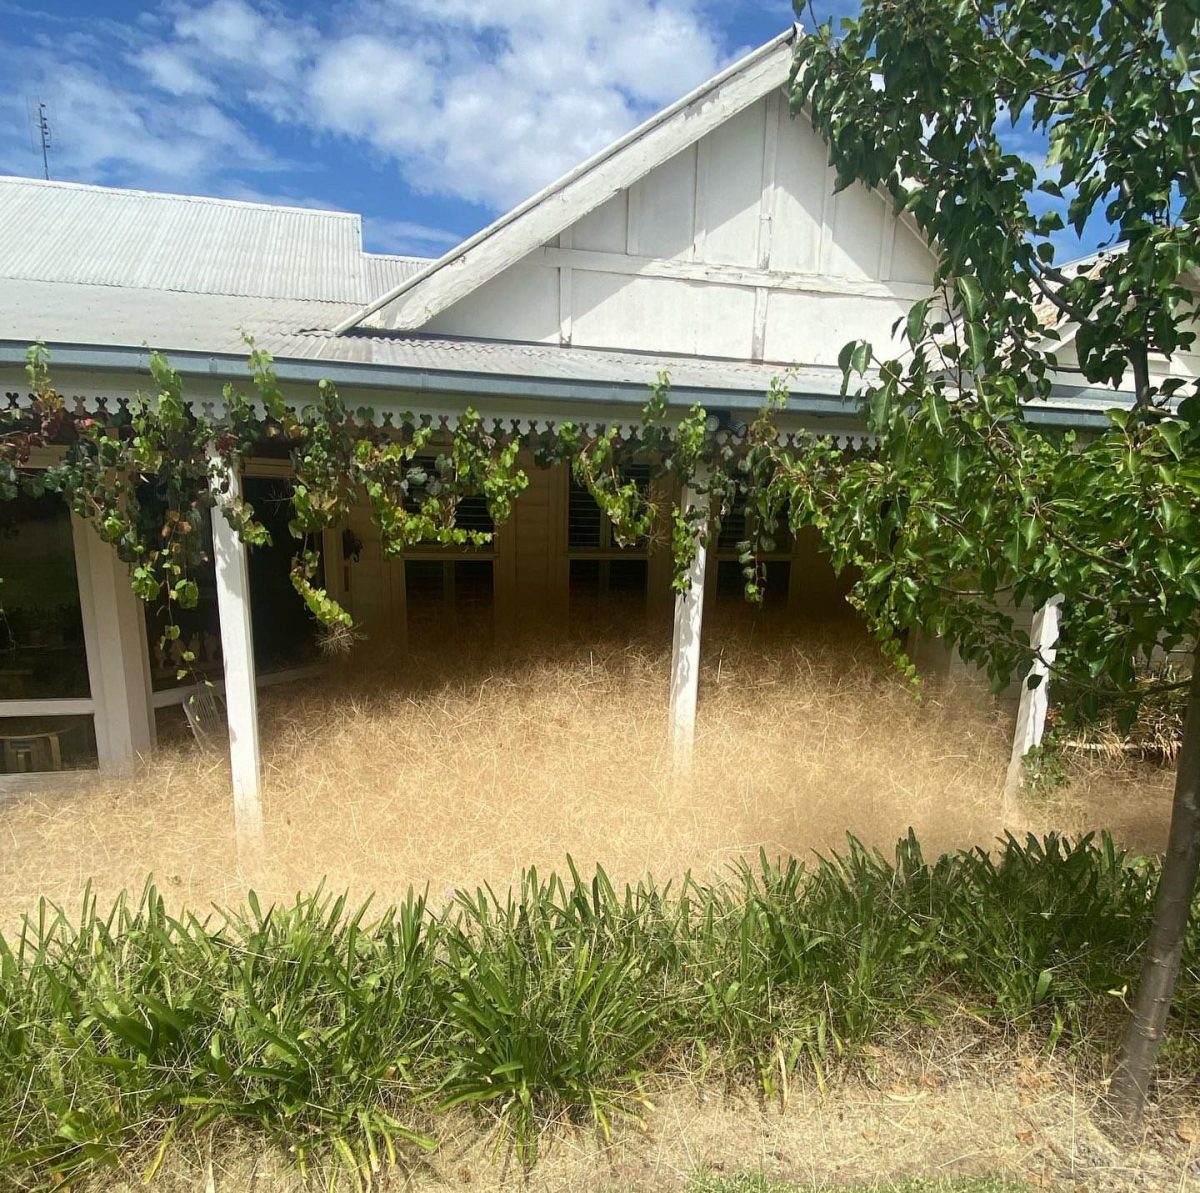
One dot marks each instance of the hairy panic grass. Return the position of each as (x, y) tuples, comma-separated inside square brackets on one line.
[(340, 1036)]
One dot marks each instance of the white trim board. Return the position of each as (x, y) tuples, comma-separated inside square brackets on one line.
[(481, 257), (729, 275), (82, 706)]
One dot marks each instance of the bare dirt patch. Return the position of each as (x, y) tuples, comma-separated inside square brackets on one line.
[(456, 767)]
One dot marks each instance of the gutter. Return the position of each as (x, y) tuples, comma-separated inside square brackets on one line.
[(222, 367), (459, 383)]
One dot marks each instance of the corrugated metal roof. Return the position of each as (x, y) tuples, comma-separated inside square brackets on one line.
[(386, 271), (89, 266), (71, 313), (62, 313), (66, 313), (101, 236)]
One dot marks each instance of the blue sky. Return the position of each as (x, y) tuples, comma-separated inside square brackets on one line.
[(427, 116)]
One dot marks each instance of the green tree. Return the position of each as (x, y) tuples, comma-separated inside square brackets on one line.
[(972, 502)]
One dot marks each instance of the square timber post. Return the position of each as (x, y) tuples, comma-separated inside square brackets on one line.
[(685, 642), (1034, 702), (237, 653)]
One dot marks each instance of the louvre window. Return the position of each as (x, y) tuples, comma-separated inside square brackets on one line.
[(472, 512), (737, 527), (587, 527), (605, 578)]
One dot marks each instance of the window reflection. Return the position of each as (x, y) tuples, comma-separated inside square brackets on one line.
[(42, 653), (32, 744), (285, 633)]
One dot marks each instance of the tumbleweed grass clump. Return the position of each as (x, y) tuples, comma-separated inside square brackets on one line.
[(341, 1035), (460, 764)]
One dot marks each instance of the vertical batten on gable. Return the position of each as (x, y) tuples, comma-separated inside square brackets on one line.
[(564, 293), (735, 246), (766, 224)]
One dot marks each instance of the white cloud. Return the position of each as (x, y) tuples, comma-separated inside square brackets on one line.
[(517, 91), (105, 131), (407, 238), (273, 198), (169, 71), (484, 100)]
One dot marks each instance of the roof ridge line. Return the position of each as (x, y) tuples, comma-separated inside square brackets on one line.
[(6, 179)]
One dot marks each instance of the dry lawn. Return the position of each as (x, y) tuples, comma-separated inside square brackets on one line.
[(937, 1108), (461, 767)]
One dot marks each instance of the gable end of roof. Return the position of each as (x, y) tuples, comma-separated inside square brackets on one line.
[(410, 305)]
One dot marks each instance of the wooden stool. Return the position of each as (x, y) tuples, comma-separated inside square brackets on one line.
[(28, 752)]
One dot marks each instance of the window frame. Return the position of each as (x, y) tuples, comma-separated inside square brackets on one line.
[(62, 706)]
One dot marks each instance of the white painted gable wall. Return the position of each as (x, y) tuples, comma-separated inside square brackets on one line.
[(735, 247)]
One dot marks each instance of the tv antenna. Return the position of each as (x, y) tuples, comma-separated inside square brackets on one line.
[(39, 127)]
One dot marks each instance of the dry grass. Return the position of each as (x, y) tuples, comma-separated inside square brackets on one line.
[(446, 771), (941, 1108)]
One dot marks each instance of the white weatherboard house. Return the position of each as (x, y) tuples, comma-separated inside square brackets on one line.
[(708, 243)]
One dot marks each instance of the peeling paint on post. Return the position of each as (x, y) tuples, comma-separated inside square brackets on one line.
[(1034, 702)]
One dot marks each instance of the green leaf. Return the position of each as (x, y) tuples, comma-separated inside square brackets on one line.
[(977, 344), (970, 294), (915, 326)]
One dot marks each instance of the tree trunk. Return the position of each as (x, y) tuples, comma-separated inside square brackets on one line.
[(1164, 950)]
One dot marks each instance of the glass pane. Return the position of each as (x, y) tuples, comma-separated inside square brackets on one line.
[(41, 628), (737, 527), (30, 744), (585, 578), (607, 591), (729, 578), (584, 518), (627, 576), (473, 586), (285, 633), (587, 527), (199, 628), (472, 512), (424, 583), (775, 575)]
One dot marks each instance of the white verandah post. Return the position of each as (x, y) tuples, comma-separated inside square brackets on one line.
[(114, 634), (237, 652), (685, 642), (1034, 702)]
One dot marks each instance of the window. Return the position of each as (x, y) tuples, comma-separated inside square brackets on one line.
[(472, 512), (285, 633), (42, 653), (435, 587), (737, 526), (588, 530), (604, 577), (41, 626), (451, 580), (731, 584)]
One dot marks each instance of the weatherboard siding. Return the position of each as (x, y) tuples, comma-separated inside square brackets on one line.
[(737, 246)]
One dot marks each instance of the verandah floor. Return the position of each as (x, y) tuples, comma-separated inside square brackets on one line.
[(458, 769)]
